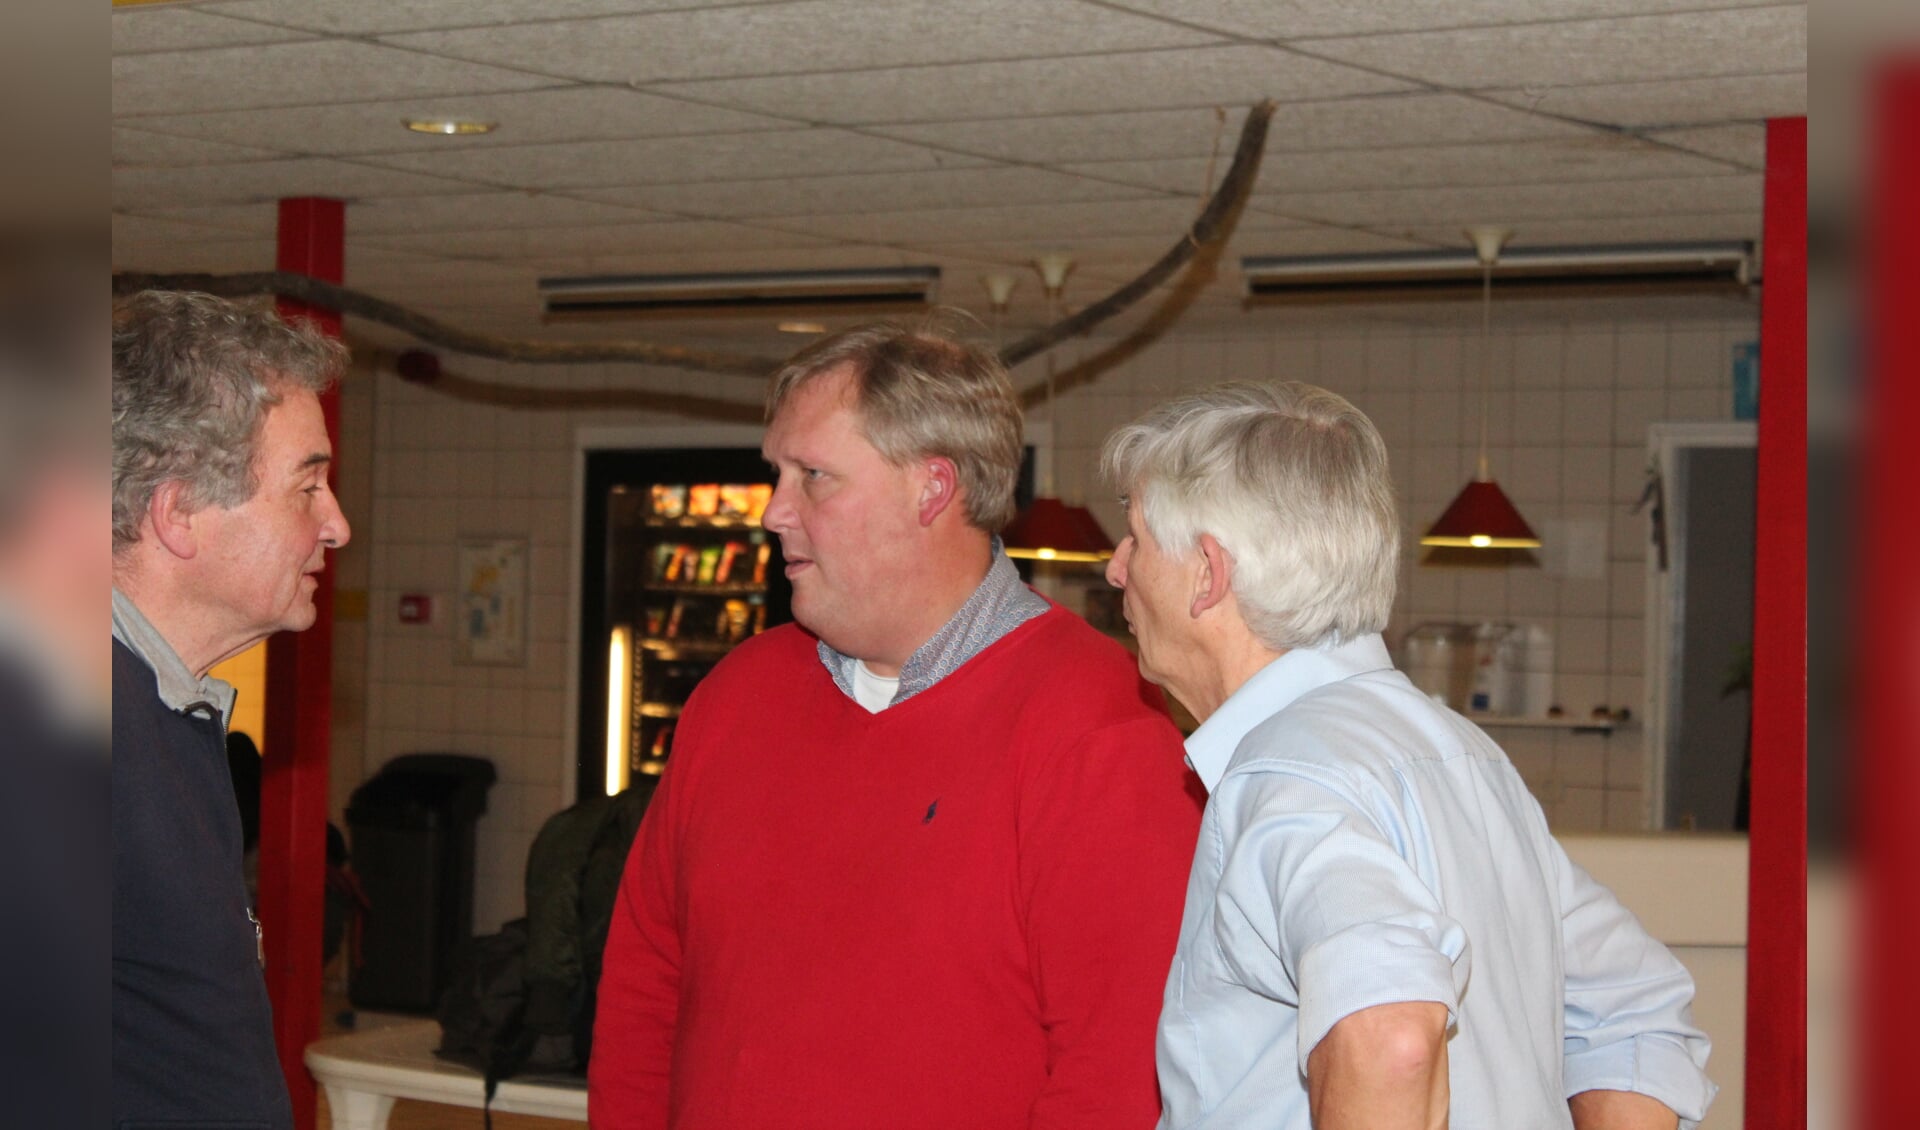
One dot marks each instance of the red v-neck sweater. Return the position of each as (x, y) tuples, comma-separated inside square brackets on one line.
[(958, 912)]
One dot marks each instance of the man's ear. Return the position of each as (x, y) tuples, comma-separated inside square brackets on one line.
[(171, 520), (1216, 575), (939, 487)]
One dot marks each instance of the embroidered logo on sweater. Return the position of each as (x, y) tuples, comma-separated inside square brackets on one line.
[(931, 809)]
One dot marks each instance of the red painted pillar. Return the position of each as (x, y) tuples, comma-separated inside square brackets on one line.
[(1887, 617), (299, 726), (1776, 1068)]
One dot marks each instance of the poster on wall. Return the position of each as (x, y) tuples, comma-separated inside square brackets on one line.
[(491, 625)]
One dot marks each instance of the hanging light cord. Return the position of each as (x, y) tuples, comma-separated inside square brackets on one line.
[(1486, 357)]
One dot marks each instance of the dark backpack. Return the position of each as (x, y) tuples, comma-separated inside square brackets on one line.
[(483, 1013), (522, 1000)]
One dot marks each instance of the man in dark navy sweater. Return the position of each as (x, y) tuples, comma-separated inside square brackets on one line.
[(222, 514)]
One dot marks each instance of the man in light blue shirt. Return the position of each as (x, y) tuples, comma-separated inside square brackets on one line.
[(1379, 930)]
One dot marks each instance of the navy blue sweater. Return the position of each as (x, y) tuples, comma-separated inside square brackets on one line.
[(192, 1029)]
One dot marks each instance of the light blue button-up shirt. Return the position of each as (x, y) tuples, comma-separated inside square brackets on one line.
[(1364, 846)]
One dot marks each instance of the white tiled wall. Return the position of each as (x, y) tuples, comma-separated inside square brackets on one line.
[(1567, 430), (1570, 406)]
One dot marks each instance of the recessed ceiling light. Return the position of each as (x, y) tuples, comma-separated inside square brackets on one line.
[(452, 127), (801, 328)]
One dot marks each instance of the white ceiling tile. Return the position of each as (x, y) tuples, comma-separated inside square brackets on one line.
[(484, 212), (227, 105), (176, 27), (293, 74), (1082, 137), (357, 17), (1376, 120), (261, 219), (1671, 103), (1321, 241), (1594, 157), (1109, 259), (217, 256), (573, 113), (1095, 257), (679, 160), (760, 39), (1204, 76), (604, 239), (868, 192), (136, 147), (1293, 19), (1744, 144), (1681, 45), (147, 189), (1393, 210), (134, 230), (1037, 222)]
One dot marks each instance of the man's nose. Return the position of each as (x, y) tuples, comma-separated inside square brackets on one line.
[(1117, 564), (335, 531), (778, 515)]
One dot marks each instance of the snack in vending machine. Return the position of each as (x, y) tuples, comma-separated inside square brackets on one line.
[(735, 501), (703, 500), (669, 500), (677, 565), (727, 557), (758, 495), (709, 562)]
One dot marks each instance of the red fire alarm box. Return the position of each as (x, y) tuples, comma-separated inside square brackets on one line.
[(416, 608)]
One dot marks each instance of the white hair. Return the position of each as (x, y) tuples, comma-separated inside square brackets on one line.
[(1292, 481)]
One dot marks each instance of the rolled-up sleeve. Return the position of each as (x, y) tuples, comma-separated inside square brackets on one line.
[(1318, 910), (1629, 1017)]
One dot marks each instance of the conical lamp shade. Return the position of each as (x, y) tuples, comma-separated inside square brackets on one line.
[(1050, 530), (1480, 517)]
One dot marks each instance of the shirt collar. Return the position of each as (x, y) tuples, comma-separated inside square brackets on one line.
[(1001, 603), (179, 690), (1272, 689)]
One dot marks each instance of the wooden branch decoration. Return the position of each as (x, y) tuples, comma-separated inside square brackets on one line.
[(1213, 223), (541, 399), (314, 292)]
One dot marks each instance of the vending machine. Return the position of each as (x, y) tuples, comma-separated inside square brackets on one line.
[(677, 571)]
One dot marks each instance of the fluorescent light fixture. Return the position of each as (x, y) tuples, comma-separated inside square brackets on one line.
[(450, 127), (756, 293), (1536, 272), (619, 707)]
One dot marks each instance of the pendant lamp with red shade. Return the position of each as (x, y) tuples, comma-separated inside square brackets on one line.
[(1481, 517)]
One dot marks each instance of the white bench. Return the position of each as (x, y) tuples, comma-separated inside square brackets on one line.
[(364, 1072)]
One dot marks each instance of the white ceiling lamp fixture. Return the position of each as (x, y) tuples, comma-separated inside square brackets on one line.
[(1054, 267), (1587, 271), (1480, 517), (795, 294), (999, 294), (1049, 529)]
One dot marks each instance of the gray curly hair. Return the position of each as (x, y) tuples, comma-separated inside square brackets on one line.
[(1292, 480), (193, 377)]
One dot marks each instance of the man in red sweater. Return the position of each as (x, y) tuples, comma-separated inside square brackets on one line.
[(917, 861)]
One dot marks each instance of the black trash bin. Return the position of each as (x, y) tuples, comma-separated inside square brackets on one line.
[(413, 850)]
